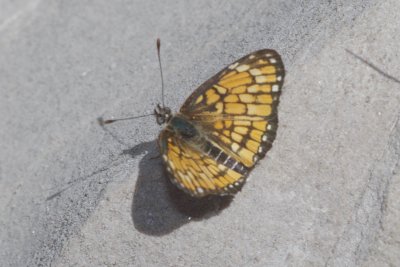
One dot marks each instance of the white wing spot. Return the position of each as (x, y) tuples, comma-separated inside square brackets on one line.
[(268, 55), (279, 78), (242, 68), (255, 72), (269, 127), (272, 60), (230, 186), (235, 147), (264, 138), (255, 158), (252, 56), (261, 79), (275, 88), (234, 65), (260, 149), (221, 167), (200, 190), (172, 165), (165, 157)]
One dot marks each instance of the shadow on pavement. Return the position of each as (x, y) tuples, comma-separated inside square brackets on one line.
[(158, 207)]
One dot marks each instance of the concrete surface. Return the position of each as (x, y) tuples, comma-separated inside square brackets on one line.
[(75, 194)]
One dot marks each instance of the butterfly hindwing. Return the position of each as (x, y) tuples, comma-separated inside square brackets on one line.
[(194, 171)]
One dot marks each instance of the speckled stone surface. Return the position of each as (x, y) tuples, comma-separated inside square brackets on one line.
[(75, 194)]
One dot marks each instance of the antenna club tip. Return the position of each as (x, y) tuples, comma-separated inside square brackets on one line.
[(158, 43), (108, 121), (102, 122)]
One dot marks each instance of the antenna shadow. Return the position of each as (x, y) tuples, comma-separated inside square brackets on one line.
[(158, 207)]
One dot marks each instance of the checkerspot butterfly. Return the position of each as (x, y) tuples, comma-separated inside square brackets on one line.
[(224, 128)]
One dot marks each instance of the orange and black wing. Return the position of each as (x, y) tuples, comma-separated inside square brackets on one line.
[(237, 108), (194, 171)]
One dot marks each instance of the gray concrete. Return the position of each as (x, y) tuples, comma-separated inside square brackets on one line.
[(75, 194)]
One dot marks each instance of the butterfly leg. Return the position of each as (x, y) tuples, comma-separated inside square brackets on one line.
[(155, 156)]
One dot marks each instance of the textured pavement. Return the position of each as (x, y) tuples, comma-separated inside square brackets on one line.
[(73, 193)]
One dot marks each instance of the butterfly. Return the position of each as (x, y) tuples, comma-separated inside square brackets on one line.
[(225, 126)]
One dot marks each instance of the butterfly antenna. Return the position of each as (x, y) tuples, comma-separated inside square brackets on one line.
[(162, 79), (102, 122)]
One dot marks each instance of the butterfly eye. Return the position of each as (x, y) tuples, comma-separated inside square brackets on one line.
[(160, 119), (163, 114)]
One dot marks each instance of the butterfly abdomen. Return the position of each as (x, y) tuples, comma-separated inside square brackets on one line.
[(222, 158)]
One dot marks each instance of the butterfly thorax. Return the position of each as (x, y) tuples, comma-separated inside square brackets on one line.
[(176, 123), (182, 127)]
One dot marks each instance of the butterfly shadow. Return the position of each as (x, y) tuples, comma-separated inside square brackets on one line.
[(158, 207)]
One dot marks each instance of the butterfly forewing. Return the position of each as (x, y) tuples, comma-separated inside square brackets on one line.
[(236, 112), (256, 74), (238, 106)]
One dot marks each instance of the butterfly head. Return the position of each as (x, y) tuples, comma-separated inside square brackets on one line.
[(163, 114)]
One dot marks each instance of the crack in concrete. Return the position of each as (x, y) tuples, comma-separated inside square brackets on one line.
[(31, 6), (372, 66), (370, 208)]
